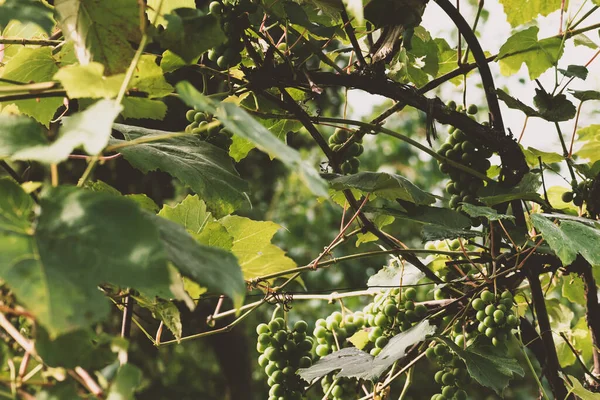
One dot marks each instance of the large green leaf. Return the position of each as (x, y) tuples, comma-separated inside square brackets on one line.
[(524, 47), (382, 184), (190, 33), (89, 129), (19, 133), (242, 124), (490, 366), (83, 348), (166, 7), (252, 246), (126, 382), (427, 215), (27, 11), (569, 239), (577, 389), (354, 363), (205, 168), (213, 268), (590, 138), (140, 108), (89, 81), (519, 12), (193, 214), (101, 30), (81, 239), (149, 78), (31, 65)]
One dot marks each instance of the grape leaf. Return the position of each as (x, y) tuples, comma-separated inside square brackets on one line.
[(242, 124), (583, 40), (532, 156), (31, 65), (211, 267), (27, 11), (382, 184), (354, 363), (166, 7), (393, 275), (126, 382), (205, 168), (60, 391), (516, 104), (199, 222), (138, 108), (524, 47), (82, 347), (89, 129), (573, 289), (252, 246), (490, 366), (149, 78), (171, 61), (439, 232), (190, 33), (19, 133), (427, 215), (553, 108), (577, 388), (163, 310), (575, 71), (81, 239), (519, 12), (569, 239), (481, 211), (590, 138), (585, 95), (89, 81), (99, 33)]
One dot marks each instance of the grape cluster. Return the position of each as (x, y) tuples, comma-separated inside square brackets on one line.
[(580, 193), (456, 271), (343, 388), (351, 162), (331, 333), (389, 314), (216, 135), (234, 20), (463, 186), (495, 315), (283, 351), (453, 375)]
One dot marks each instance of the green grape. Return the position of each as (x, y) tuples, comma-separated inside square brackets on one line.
[(322, 350), (448, 378), (262, 328), (430, 353), (410, 293), (567, 197), (498, 315), (490, 309), (381, 342), (472, 109), (190, 114), (438, 376), (487, 296), (215, 8), (478, 304), (512, 321), (301, 326), (440, 349)]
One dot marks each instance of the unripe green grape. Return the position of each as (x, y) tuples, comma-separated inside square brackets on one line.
[(489, 322), (280, 337), (487, 296), (420, 311), (189, 115), (440, 349), (332, 324), (478, 304), (438, 294), (390, 310), (459, 340), (262, 361), (490, 309), (567, 197), (264, 338), (305, 362), (274, 326), (322, 350), (381, 320), (508, 303), (448, 378), (374, 334), (262, 328), (375, 351), (472, 109), (498, 316), (490, 332), (271, 368), (481, 327), (438, 376), (277, 390), (215, 8), (451, 105), (448, 391), (410, 293), (321, 322), (409, 305), (512, 321), (430, 354), (406, 325), (411, 316), (460, 395), (261, 348), (381, 342), (337, 391)]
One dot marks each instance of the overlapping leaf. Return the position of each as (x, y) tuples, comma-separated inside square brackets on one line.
[(27, 11), (200, 165), (81, 239), (101, 30), (240, 123), (519, 12)]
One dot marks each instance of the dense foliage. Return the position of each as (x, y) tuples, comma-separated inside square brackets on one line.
[(152, 151)]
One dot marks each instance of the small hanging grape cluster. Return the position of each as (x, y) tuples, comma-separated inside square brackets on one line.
[(216, 135), (463, 186), (283, 352), (580, 193), (351, 162), (495, 315), (388, 315), (343, 388), (453, 375), (331, 334), (233, 20)]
